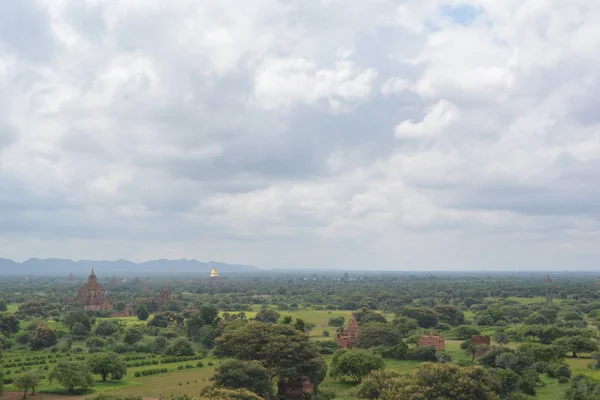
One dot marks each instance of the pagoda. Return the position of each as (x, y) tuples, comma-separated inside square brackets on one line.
[(432, 340), (547, 279), (92, 296), (164, 294), (214, 274), (347, 337), (71, 277)]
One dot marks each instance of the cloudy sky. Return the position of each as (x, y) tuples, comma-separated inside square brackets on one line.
[(379, 134)]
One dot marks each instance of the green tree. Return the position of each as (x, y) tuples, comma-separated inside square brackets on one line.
[(444, 381), (577, 344), (180, 347), (107, 328), (79, 331), (43, 336), (77, 316), (142, 312), (355, 363), (72, 375), (249, 375), (450, 314), (134, 335), (267, 315), (377, 384), (377, 334), (464, 332), (27, 380), (583, 388), (3, 306), (404, 325), (9, 324), (105, 364), (285, 352), (426, 317)]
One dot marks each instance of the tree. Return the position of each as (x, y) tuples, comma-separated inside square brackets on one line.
[(105, 364), (355, 363), (72, 375), (43, 336), (450, 314), (464, 332), (404, 325), (336, 321), (267, 315), (443, 381), (3, 306), (79, 331), (142, 312), (249, 375), (426, 317), (577, 344), (78, 316), (9, 324), (583, 388), (209, 315), (180, 347), (365, 316), (300, 325), (134, 335), (107, 328), (377, 334), (285, 352), (27, 380), (377, 384)]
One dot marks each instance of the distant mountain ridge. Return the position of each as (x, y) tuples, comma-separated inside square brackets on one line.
[(65, 266)]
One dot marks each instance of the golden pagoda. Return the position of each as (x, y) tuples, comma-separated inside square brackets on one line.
[(214, 274)]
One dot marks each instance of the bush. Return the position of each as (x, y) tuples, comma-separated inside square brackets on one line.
[(555, 370), (421, 354), (563, 379), (326, 333), (540, 366)]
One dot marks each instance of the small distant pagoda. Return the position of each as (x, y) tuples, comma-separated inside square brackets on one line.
[(92, 295), (71, 277), (137, 281), (347, 337), (164, 294), (114, 279), (547, 279), (214, 274)]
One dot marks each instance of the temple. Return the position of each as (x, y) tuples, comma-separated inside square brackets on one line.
[(347, 337), (92, 296), (547, 279), (295, 389), (71, 277), (432, 340), (214, 274), (164, 294)]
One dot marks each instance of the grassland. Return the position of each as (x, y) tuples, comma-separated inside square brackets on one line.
[(192, 381)]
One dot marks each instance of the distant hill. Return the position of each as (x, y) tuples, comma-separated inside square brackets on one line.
[(59, 266)]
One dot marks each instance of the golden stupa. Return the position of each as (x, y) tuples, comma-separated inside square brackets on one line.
[(214, 273)]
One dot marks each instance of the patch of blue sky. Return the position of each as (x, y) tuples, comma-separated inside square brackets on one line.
[(461, 14)]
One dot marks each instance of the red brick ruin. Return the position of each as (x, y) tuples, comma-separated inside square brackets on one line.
[(480, 340), (432, 340), (295, 389), (347, 337), (547, 279), (92, 296), (164, 294)]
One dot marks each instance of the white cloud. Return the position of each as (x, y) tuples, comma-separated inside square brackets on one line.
[(313, 133), (437, 118)]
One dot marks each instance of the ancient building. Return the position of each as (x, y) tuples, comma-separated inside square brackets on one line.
[(92, 296), (347, 337), (214, 274), (71, 277), (480, 340), (432, 340), (114, 279), (137, 281), (164, 294), (547, 279), (295, 389)]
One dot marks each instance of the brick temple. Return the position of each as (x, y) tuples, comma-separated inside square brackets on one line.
[(347, 337), (92, 295), (295, 389), (164, 294), (432, 340)]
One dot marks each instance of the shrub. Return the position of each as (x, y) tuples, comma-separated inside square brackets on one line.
[(420, 353)]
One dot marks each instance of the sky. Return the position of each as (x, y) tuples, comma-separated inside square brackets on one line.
[(354, 134)]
